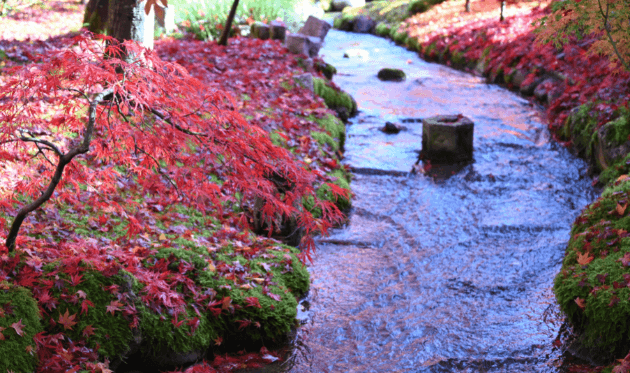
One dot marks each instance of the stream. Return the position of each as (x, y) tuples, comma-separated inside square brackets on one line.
[(450, 270)]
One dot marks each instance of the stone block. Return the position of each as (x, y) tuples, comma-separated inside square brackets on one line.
[(260, 30), (447, 139), (278, 30), (314, 45), (297, 44), (315, 27), (303, 44)]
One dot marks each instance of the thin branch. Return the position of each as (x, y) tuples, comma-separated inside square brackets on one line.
[(610, 38), (46, 143)]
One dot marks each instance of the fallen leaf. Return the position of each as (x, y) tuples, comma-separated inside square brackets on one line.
[(584, 259), (162, 237), (621, 208), (67, 320), (580, 302)]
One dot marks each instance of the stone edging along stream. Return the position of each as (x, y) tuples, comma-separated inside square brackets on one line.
[(593, 286)]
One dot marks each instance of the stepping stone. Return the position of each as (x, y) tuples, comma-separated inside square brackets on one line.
[(315, 27), (278, 30), (447, 139)]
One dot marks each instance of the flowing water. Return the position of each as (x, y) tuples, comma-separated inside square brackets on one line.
[(445, 272)]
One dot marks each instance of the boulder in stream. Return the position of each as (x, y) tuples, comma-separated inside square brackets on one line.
[(447, 139), (391, 75), (391, 128)]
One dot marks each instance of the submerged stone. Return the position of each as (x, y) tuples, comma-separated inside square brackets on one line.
[(392, 75), (447, 138)]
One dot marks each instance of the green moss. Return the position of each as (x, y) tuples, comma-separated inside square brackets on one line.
[(413, 43), (334, 126), (323, 138), (599, 233), (620, 127), (421, 6), (333, 97), (580, 127), (621, 167), (111, 330), (327, 69), (383, 29), (18, 306)]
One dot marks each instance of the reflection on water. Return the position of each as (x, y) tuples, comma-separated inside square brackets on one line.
[(446, 274)]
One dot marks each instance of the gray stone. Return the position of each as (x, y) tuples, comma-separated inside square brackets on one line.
[(166, 18), (297, 44), (305, 80), (260, 30), (314, 45), (363, 25), (278, 31), (315, 27), (338, 5), (391, 128), (542, 90), (447, 139)]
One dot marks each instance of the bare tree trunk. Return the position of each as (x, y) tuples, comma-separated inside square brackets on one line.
[(467, 6), (228, 24), (502, 11)]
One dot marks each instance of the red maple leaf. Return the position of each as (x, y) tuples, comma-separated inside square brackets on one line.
[(88, 331), (84, 306), (17, 326), (253, 302), (67, 320), (114, 306)]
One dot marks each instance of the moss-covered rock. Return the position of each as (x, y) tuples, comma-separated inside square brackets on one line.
[(325, 68), (19, 322), (592, 287), (389, 74), (95, 302), (336, 99)]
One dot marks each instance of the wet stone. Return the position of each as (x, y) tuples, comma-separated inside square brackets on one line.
[(391, 75), (260, 30), (391, 128), (364, 25), (447, 139)]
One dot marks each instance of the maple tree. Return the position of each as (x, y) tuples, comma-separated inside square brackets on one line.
[(606, 18), (77, 100)]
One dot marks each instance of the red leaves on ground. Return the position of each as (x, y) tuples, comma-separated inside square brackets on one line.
[(67, 320)]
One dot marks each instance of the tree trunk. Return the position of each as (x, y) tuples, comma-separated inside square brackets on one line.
[(467, 6), (502, 11), (228, 24), (95, 15), (127, 21)]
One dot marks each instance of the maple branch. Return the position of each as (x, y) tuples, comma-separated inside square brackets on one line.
[(64, 160), (39, 142), (610, 38), (159, 170)]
